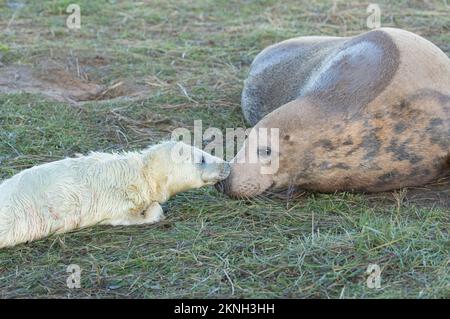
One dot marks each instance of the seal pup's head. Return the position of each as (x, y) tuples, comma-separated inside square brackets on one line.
[(176, 167)]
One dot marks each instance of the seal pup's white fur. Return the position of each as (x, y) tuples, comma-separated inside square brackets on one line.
[(101, 188)]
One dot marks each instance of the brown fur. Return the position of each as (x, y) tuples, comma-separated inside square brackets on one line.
[(364, 127), (374, 152)]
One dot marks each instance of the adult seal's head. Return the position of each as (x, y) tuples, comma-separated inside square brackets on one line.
[(366, 113)]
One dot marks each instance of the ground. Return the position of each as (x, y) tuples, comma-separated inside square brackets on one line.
[(137, 70)]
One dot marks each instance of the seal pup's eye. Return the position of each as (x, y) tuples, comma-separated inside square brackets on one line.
[(264, 152), (203, 160)]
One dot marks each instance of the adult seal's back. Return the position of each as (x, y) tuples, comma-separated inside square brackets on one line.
[(364, 113)]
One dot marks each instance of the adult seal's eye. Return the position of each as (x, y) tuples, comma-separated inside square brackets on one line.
[(264, 152)]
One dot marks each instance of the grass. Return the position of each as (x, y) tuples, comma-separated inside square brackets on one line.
[(313, 246)]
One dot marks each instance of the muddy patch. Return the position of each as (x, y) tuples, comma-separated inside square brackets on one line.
[(69, 80)]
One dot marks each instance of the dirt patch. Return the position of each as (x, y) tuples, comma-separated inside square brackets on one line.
[(69, 80)]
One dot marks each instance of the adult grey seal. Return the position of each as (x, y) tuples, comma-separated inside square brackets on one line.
[(364, 113)]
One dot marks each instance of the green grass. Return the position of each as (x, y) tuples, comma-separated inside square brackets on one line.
[(315, 245)]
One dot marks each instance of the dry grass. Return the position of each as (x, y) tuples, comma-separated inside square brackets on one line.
[(191, 58)]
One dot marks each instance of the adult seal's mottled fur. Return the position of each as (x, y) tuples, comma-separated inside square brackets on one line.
[(364, 113)]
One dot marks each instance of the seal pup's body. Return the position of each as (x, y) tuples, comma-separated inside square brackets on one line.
[(101, 188)]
